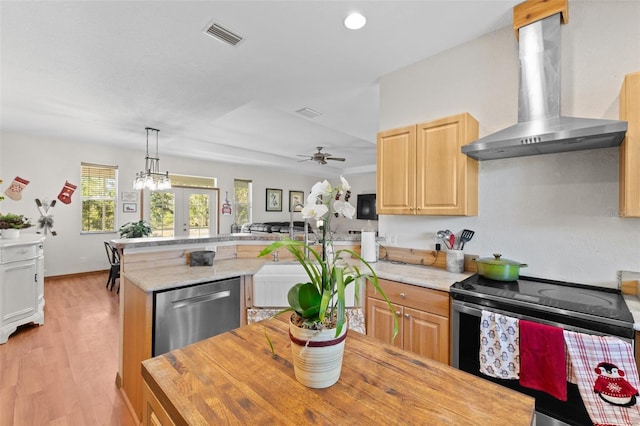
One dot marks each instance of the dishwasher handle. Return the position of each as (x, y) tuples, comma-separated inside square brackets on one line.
[(182, 303)]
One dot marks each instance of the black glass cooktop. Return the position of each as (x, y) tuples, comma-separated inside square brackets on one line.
[(552, 295)]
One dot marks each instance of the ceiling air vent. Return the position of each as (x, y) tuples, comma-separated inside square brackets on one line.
[(308, 112), (225, 35)]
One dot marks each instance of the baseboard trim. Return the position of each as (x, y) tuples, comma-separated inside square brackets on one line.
[(77, 275)]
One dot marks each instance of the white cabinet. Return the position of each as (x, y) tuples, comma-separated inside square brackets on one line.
[(21, 283)]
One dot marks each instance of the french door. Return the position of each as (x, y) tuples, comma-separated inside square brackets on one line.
[(182, 212)]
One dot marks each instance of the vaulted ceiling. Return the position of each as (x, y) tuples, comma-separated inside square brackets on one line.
[(101, 71)]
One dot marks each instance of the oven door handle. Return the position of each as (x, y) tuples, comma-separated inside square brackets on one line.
[(466, 309), (476, 311)]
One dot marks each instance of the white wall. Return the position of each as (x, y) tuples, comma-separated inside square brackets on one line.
[(48, 163), (557, 212)]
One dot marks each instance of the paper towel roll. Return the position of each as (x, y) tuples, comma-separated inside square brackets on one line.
[(368, 246)]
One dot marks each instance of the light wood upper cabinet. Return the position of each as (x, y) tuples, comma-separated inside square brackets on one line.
[(421, 170), (396, 171), (630, 148)]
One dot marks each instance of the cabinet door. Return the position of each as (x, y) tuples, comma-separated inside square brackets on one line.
[(40, 281), (396, 172), (630, 148), (153, 413), (19, 290), (446, 179), (380, 321), (426, 334)]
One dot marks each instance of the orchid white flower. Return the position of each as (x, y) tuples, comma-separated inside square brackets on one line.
[(321, 188), (344, 208), (315, 211), (344, 187), (320, 201)]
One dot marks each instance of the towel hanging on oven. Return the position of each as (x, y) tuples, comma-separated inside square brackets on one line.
[(499, 346), (542, 359), (607, 378)]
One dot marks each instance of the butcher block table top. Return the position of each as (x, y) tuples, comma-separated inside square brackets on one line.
[(232, 378)]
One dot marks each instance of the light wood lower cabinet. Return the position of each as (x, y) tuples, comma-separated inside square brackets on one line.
[(137, 340), (153, 413), (423, 318)]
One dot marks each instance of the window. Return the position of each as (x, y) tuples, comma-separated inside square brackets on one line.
[(242, 196), (99, 197)]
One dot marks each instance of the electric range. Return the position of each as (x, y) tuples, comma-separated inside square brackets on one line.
[(600, 310)]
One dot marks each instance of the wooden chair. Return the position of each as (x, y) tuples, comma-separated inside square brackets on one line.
[(114, 261)]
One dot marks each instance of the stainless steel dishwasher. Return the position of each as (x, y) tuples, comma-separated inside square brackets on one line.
[(187, 315)]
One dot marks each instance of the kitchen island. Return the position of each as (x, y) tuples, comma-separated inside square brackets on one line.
[(232, 378), (162, 264)]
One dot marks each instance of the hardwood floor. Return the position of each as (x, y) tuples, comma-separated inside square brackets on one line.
[(63, 373)]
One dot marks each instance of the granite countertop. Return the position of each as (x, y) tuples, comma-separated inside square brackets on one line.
[(633, 303), (155, 279), (163, 278), (423, 276), (125, 243)]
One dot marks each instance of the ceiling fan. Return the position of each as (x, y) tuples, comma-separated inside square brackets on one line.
[(320, 157)]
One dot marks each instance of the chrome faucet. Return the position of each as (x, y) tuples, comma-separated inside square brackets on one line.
[(306, 228), (293, 210)]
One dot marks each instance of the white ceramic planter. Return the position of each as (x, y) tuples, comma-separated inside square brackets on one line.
[(10, 233), (317, 355)]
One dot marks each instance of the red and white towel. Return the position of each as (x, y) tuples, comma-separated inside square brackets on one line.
[(499, 346), (607, 378), (542, 359)]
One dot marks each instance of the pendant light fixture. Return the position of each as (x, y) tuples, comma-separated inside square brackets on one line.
[(151, 178)]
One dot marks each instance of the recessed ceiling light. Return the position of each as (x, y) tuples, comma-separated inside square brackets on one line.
[(355, 21)]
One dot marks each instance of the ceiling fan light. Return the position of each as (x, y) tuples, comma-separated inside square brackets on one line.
[(355, 21)]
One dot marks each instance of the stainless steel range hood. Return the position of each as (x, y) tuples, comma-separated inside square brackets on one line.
[(540, 128)]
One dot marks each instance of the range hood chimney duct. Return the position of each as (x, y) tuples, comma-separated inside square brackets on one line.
[(541, 129)]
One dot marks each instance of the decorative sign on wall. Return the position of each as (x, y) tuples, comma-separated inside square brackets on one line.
[(129, 197), (129, 207), (45, 222)]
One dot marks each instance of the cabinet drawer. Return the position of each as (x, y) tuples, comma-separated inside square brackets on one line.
[(14, 253), (426, 299)]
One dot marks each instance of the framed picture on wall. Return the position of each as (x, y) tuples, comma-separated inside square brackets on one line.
[(129, 197), (274, 200), (129, 207), (296, 201)]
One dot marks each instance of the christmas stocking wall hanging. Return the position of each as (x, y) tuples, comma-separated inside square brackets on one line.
[(15, 189), (67, 192)]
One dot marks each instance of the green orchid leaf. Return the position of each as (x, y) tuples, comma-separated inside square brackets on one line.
[(338, 277), (304, 299)]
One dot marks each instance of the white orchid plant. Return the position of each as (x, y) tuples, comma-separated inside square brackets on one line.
[(320, 302)]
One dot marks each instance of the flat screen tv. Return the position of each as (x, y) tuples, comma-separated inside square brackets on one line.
[(367, 207)]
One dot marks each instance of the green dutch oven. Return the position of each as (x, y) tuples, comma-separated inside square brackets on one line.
[(499, 269)]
